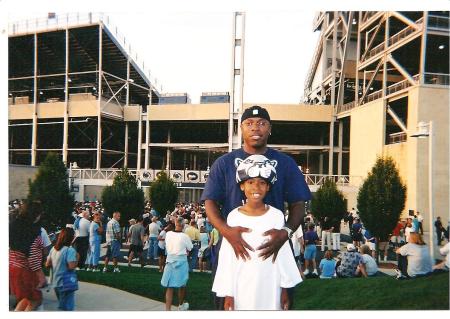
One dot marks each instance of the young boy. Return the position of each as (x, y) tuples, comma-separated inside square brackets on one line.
[(255, 284)]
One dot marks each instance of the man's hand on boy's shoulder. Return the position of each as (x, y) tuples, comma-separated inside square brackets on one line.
[(271, 247)]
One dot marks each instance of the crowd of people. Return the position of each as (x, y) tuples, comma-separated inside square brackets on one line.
[(256, 252)]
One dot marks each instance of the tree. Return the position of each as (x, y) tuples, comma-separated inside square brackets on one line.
[(51, 187), (123, 196), (163, 193), (381, 198), (328, 202)]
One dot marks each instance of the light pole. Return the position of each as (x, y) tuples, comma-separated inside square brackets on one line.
[(426, 130)]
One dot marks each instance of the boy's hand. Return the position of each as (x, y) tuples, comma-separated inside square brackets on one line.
[(271, 247), (228, 303), (240, 246), (284, 299)]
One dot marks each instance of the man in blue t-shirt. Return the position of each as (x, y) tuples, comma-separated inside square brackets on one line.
[(222, 194)]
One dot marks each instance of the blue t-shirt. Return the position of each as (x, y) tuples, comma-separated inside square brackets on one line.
[(327, 267), (222, 187), (59, 262), (368, 235), (310, 237)]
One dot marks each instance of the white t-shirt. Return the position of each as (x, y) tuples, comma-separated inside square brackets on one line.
[(153, 230), (255, 284), (83, 229), (445, 252), (177, 243), (162, 243), (298, 234), (419, 260), (370, 263), (45, 239), (408, 230)]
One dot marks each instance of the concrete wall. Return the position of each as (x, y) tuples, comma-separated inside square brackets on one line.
[(433, 104), (18, 180), (366, 137)]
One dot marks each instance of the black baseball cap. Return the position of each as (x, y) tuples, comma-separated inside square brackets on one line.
[(255, 111)]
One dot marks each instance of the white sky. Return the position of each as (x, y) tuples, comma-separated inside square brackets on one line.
[(187, 44), (190, 51)]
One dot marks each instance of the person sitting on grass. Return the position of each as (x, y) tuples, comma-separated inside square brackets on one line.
[(255, 283), (327, 266), (367, 265), (176, 271), (414, 258), (348, 262), (445, 264), (311, 239)]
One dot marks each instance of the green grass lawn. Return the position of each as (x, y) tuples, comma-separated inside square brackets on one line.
[(379, 293)]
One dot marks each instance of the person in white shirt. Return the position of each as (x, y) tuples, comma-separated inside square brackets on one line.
[(81, 243), (445, 264), (254, 283), (153, 232), (176, 271), (418, 257), (298, 246), (367, 265)]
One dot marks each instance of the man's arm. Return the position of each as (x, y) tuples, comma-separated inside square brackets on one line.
[(279, 237), (232, 234)]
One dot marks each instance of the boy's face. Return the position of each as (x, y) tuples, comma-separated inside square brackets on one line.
[(255, 189)]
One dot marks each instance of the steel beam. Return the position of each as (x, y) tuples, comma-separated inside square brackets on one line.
[(369, 45), (35, 103), (66, 103), (340, 98), (400, 69), (423, 48), (147, 133), (100, 92), (396, 118), (139, 149), (404, 19), (333, 95)]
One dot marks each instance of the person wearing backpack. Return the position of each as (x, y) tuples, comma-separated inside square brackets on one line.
[(63, 259)]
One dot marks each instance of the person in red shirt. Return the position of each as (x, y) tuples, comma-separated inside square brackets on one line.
[(397, 237), (25, 257)]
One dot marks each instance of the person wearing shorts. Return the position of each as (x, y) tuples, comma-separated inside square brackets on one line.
[(176, 271), (136, 235), (311, 239), (113, 242)]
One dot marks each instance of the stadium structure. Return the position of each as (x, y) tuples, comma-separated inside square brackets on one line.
[(77, 88)]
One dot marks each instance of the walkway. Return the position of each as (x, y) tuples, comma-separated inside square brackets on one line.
[(92, 297)]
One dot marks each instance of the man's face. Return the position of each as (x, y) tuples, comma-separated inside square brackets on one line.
[(255, 132)]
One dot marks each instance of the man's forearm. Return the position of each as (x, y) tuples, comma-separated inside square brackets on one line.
[(214, 217), (296, 215)]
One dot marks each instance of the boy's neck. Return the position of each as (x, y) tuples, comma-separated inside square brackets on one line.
[(254, 209)]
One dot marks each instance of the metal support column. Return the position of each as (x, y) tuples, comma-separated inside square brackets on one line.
[(321, 156), (100, 91), (139, 149), (386, 44), (423, 48), (125, 156), (358, 48), (237, 90), (35, 103), (169, 153), (333, 94), (147, 132), (66, 103), (127, 102), (340, 145)]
